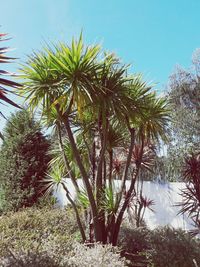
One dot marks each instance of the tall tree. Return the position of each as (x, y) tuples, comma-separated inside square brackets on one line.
[(88, 93), (23, 161)]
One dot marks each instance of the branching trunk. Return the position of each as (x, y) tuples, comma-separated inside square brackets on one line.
[(127, 197), (98, 233), (123, 209)]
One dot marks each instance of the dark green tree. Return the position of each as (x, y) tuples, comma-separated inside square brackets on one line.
[(23, 162)]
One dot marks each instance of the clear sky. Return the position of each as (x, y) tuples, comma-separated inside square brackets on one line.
[(152, 35)]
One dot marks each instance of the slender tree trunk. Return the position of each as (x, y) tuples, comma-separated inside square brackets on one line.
[(99, 185), (76, 212), (128, 196), (110, 167), (110, 227), (66, 162), (104, 173), (123, 208), (93, 161), (128, 162), (97, 230), (138, 217)]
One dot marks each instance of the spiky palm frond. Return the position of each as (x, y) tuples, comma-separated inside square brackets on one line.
[(153, 123), (82, 199), (109, 202), (53, 179), (117, 135), (147, 157), (57, 158), (4, 83), (190, 204), (146, 202), (63, 75)]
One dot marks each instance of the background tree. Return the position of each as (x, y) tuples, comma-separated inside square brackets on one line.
[(23, 161), (184, 128)]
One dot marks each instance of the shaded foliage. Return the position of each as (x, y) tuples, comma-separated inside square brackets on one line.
[(163, 246)]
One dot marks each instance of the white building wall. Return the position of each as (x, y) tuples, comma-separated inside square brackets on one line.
[(165, 196)]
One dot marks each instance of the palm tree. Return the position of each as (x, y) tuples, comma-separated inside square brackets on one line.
[(89, 92)]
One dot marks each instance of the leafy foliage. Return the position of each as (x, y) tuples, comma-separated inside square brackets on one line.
[(184, 98), (163, 246), (23, 161)]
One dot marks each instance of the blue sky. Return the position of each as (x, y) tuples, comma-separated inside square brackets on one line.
[(152, 35)]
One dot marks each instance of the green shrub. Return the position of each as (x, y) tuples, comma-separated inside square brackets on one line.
[(23, 162), (30, 259), (37, 230), (174, 248), (164, 247), (48, 237)]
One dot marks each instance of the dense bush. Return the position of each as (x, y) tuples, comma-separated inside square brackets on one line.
[(23, 162), (48, 237), (37, 230), (31, 259), (164, 247)]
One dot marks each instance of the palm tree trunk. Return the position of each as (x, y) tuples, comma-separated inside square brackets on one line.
[(66, 162), (93, 161), (123, 208), (127, 197), (99, 185), (76, 212), (110, 167), (128, 162), (97, 230)]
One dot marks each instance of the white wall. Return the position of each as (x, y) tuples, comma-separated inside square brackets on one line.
[(164, 195)]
